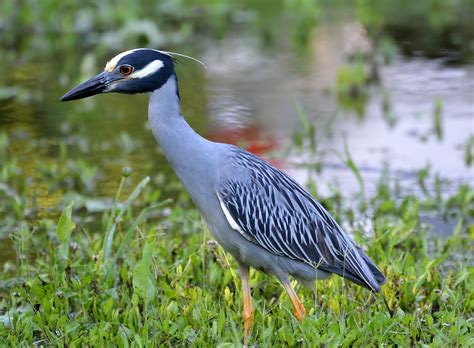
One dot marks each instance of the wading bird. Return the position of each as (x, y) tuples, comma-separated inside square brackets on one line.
[(264, 218)]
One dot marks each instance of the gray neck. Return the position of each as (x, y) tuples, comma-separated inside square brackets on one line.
[(189, 154)]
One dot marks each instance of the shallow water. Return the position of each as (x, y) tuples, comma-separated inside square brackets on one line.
[(247, 96), (410, 144), (259, 93)]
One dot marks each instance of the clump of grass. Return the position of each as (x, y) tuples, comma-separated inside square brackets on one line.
[(469, 151), (352, 84)]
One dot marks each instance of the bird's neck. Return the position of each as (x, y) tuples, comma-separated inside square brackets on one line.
[(181, 145)]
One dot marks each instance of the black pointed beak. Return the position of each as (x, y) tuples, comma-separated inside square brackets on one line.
[(97, 84)]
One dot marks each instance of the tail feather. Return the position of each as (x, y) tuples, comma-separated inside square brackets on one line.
[(371, 284), (379, 277)]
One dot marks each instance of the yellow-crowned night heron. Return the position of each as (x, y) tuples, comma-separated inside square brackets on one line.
[(257, 213)]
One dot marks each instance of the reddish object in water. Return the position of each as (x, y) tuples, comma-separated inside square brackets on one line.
[(252, 138)]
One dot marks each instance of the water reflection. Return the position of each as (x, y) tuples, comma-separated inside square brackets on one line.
[(397, 127)]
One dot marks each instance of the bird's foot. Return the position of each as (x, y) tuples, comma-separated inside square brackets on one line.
[(299, 311), (247, 316), (298, 308)]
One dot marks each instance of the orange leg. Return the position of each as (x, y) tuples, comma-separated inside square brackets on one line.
[(298, 308), (247, 313)]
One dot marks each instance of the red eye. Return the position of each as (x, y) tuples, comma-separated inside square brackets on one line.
[(126, 70)]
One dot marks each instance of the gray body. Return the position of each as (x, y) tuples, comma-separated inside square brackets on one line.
[(196, 162), (257, 213), (201, 166)]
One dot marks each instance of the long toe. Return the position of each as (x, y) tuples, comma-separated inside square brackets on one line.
[(298, 308), (299, 311)]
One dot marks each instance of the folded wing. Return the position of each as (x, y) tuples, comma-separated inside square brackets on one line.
[(273, 211)]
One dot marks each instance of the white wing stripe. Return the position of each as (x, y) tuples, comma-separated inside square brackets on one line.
[(234, 225)]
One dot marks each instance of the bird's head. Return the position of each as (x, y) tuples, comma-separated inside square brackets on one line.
[(136, 71)]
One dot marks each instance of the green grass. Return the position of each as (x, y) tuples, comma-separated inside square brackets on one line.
[(139, 269), (147, 273)]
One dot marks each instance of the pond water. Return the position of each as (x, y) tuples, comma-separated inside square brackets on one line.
[(258, 93), (248, 95)]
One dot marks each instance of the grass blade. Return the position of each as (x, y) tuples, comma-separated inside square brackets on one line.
[(109, 236)]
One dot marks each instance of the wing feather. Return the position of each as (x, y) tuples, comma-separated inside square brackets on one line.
[(273, 211)]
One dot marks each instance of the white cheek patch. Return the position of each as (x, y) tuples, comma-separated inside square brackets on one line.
[(149, 69), (111, 64)]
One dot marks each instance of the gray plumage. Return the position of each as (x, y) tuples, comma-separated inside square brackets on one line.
[(256, 212), (277, 214), (282, 229)]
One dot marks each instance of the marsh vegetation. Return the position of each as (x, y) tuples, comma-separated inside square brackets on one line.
[(369, 104)]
